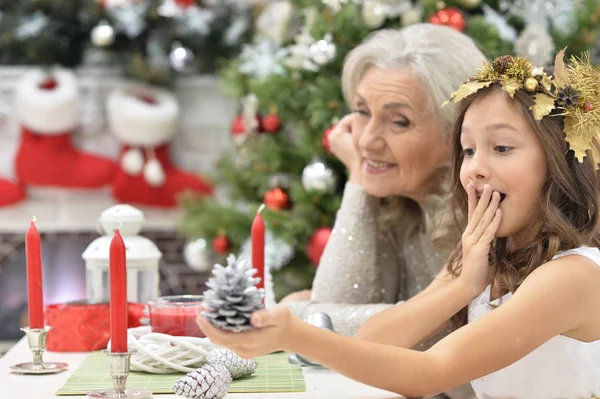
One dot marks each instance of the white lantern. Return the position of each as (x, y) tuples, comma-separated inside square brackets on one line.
[(141, 253)]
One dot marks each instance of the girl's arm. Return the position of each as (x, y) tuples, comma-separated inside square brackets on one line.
[(412, 322), (559, 297)]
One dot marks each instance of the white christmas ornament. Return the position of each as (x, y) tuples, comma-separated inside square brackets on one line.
[(412, 16), (182, 59), (154, 173), (373, 13), (197, 256), (319, 177), (276, 21), (323, 51), (103, 35), (133, 162), (262, 59), (536, 44)]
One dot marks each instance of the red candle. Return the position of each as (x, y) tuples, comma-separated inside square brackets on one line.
[(35, 294), (118, 294), (258, 247)]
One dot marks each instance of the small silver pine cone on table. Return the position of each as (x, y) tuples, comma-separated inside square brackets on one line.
[(238, 367), (208, 382), (232, 296)]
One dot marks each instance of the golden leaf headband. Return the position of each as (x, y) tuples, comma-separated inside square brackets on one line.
[(573, 90)]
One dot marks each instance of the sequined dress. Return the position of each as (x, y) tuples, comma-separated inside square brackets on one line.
[(364, 271)]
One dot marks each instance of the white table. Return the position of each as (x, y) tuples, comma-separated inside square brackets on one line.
[(320, 383)]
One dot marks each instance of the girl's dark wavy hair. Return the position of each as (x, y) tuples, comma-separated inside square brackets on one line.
[(568, 203)]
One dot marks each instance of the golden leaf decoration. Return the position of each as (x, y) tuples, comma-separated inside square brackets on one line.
[(577, 138), (544, 104), (561, 76), (511, 85), (546, 82), (466, 89)]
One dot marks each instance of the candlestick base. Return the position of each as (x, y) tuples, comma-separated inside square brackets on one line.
[(119, 371), (36, 337), (127, 394)]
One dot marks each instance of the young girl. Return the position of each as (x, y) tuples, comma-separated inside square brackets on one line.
[(525, 174)]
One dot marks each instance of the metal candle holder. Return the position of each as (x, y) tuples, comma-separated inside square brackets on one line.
[(36, 337), (119, 370)]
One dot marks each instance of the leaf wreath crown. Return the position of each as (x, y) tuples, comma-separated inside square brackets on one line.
[(573, 90)]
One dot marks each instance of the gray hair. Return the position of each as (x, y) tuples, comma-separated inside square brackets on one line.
[(441, 57)]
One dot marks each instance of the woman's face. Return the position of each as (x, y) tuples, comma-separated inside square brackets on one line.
[(398, 137)]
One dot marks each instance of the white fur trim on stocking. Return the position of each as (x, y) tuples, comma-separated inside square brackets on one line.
[(138, 123), (154, 173), (132, 161), (48, 111)]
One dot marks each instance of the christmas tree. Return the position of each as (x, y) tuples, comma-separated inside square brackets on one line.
[(149, 40), (288, 81)]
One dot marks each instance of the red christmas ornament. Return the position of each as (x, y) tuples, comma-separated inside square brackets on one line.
[(451, 17), (49, 84), (271, 123), (239, 125), (316, 244), (587, 107), (326, 138), (221, 245), (277, 199), (185, 3)]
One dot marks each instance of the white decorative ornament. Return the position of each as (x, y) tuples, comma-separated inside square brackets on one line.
[(154, 173), (197, 256), (323, 51), (373, 13), (133, 162), (536, 44), (181, 58), (143, 257), (103, 35), (276, 21), (262, 59), (317, 176), (412, 16), (166, 354)]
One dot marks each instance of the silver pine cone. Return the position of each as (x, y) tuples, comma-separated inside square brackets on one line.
[(232, 296), (238, 367), (209, 382)]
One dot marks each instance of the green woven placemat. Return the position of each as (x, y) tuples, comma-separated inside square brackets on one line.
[(273, 374)]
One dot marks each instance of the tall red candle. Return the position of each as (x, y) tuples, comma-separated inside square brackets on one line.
[(258, 247), (118, 294), (35, 293)]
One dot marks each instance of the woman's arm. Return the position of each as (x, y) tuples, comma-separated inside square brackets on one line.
[(353, 267), (346, 318), (559, 297)]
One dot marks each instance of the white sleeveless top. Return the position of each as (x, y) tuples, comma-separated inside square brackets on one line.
[(561, 368)]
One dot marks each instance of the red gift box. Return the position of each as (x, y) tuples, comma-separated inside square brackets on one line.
[(83, 327)]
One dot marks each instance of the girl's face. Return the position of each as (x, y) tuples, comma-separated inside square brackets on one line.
[(397, 135), (501, 149)]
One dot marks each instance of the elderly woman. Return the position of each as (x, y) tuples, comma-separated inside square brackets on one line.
[(394, 229)]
